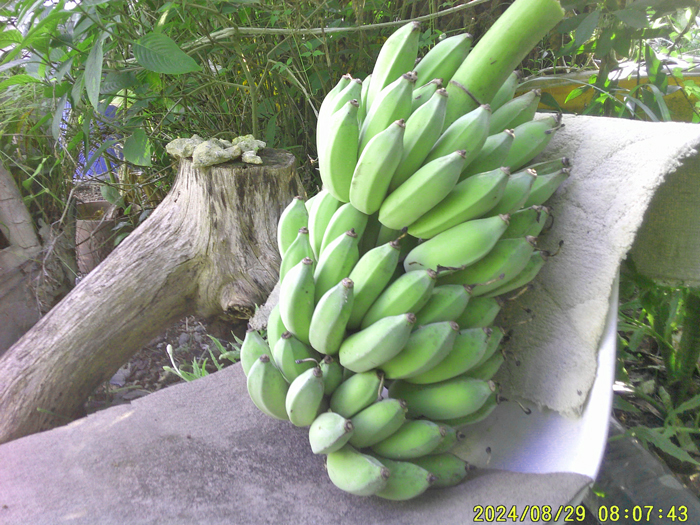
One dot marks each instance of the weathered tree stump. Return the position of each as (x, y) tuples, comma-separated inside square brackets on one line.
[(209, 249)]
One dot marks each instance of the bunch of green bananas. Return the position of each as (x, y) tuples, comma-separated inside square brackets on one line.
[(391, 275)]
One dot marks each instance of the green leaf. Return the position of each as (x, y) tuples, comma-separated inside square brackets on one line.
[(575, 93), (111, 195), (137, 149), (632, 17), (58, 117), (548, 100), (650, 435), (93, 72), (115, 82), (156, 52), (11, 36), (586, 28), (17, 80), (691, 404)]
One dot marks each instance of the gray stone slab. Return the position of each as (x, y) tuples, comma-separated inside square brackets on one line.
[(202, 453)]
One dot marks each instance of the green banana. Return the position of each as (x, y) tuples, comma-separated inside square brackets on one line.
[(332, 374), (550, 166), (375, 345), (304, 397), (275, 326), (425, 348), (292, 218), (296, 301), (468, 133), (328, 107), (422, 94), (377, 422), (503, 263), (545, 186), (421, 191), (414, 439), (444, 58), (347, 217), (457, 247), (492, 154), (448, 399), (362, 110), (330, 317), (393, 103), (480, 312), (423, 128), (507, 90), (355, 472), (516, 192), (320, 214), (298, 250), (357, 392), (530, 140), (470, 199), (252, 348), (451, 438), (449, 469), (375, 168), (527, 274), (287, 351), (310, 202), (396, 57), (515, 112), (446, 303), (488, 368), (481, 414), (267, 388), (371, 233), (492, 345), (338, 156), (370, 276), (409, 293), (336, 262), (467, 350), (329, 432), (351, 91), (528, 221), (406, 480)]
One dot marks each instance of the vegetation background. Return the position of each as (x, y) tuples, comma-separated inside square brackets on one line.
[(91, 91)]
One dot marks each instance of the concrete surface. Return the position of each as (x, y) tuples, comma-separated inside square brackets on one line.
[(201, 452)]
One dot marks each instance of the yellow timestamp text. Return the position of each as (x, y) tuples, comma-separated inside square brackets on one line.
[(642, 514), (529, 514)]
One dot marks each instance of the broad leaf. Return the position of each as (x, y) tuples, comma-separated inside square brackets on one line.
[(137, 149), (19, 79), (156, 52), (586, 28), (111, 195), (633, 18)]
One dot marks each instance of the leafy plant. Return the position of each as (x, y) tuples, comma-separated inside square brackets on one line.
[(658, 321)]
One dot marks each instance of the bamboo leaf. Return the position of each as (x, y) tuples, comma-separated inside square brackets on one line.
[(159, 53), (93, 72)]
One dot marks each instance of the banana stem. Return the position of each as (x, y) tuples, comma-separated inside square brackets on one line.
[(498, 53)]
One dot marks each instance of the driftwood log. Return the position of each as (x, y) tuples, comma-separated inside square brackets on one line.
[(208, 249), (37, 269)]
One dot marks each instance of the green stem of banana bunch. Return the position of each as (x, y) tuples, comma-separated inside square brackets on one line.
[(498, 53), (689, 347)]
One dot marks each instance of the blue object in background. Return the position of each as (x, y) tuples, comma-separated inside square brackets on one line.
[(102, 166)]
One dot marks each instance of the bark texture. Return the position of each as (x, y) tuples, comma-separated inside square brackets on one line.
[(209, 249)]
